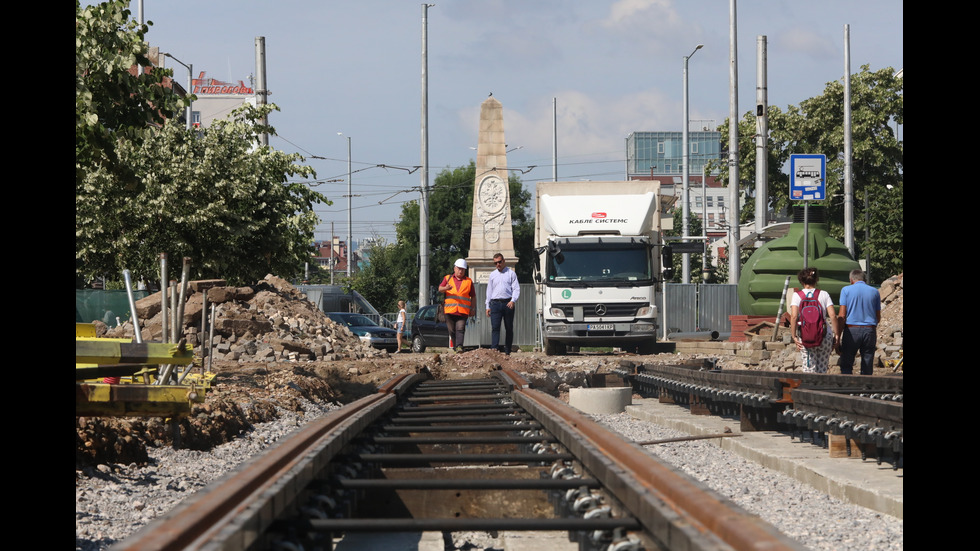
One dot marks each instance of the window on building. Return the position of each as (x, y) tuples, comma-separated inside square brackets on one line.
[(721, 200), (721, 217), (660, 147), (697, 201), (711, 218), (196, 119), (709, 198), (694, 147)]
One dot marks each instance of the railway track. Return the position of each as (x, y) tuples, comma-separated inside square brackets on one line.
[(461, 455), (867, 410)]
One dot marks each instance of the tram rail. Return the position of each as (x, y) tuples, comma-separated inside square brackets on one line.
[(864, 409), (487, 454)]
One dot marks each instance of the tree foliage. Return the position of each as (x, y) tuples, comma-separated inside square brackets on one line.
[(145, 185), (383, 282), (816, 126), (113, 101)]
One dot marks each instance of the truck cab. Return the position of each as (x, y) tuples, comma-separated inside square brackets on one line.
[(598, 269)]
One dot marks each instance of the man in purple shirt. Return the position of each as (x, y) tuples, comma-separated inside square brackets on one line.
[(860, 308), (503, 290)]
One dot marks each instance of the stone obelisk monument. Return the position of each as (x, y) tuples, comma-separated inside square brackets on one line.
[(492, 231)]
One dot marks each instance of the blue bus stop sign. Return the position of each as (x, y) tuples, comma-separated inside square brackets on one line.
[(807, 177)]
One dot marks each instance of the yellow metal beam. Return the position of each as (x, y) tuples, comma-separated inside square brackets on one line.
[(121, 351), (133, 400), (84, 330)]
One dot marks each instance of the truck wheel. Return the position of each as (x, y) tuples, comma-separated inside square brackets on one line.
[(552, 348), (418, 345)]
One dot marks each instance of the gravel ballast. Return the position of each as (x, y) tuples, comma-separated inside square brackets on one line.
[(113, 501)]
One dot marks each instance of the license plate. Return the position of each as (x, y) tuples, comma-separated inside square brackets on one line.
[(600, 327)]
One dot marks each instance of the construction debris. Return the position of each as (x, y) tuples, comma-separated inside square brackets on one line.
[(268, 322)]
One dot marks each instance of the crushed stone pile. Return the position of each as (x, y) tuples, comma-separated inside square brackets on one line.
[(267, 322), (273, 351)]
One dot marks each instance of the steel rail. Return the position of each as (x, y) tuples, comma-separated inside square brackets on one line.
[(202, 517), (245, 508), (864, 408), (672, 507)]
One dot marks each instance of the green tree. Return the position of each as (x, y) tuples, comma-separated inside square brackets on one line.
[(217, 197), (115, 103), (381, 282), (777, 155), (816, 126), (450, 220), (145, 185)]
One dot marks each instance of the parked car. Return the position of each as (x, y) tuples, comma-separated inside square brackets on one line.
[(335, 298), (427, 330), (369, 331)]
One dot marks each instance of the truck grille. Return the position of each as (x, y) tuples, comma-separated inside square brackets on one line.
[(594, 309)]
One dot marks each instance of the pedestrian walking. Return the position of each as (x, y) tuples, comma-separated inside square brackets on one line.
[(459, 303), (400, 323), (860, 309), (503, 290), (815, 356)]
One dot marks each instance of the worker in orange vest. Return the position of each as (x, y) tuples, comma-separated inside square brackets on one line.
[(459, 304)]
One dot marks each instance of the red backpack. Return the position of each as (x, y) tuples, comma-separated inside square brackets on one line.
[(812, 324)]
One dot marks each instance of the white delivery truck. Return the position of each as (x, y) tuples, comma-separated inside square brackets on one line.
[(598, 265)]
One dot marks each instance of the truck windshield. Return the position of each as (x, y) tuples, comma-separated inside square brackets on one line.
[(597, 262)]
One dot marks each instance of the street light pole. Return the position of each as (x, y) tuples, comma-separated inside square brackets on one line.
[(190, 79), (686, 263), (350, 231), (350, 251)]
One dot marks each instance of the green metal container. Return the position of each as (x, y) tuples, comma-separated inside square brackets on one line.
[(764, 274)]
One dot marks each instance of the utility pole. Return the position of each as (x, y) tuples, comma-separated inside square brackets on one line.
[(350, 228), (734, 255), (261, 94), (761, 137), (848, 184), (554, 142), (424, 205)]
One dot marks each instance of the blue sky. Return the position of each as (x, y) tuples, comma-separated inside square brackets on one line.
[(615, 66)]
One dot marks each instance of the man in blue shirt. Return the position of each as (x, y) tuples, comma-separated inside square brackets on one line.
[(860, 307), (503, 290)]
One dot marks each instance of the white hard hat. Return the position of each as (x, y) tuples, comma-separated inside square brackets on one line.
[(461, 264)]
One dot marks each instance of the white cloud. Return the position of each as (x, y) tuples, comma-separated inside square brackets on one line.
[(807, 42), (586, 124), (633, 12)]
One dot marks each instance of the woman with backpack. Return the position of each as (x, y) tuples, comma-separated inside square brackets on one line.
[(808, 313)]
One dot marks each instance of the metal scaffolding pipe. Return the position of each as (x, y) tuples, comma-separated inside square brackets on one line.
[(137, 332)]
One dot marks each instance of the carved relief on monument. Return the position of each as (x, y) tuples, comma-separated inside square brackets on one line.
[(492, 197)]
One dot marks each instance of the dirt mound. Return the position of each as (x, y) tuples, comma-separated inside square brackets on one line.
[(242, 395), (265, 322)]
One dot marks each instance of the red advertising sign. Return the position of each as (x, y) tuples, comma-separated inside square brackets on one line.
[(202, 86)]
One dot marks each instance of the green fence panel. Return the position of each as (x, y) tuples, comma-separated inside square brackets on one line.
[(106, 306)]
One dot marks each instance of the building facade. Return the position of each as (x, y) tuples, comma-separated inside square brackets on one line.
[(216, 99), (662, 153), (659, 155)]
